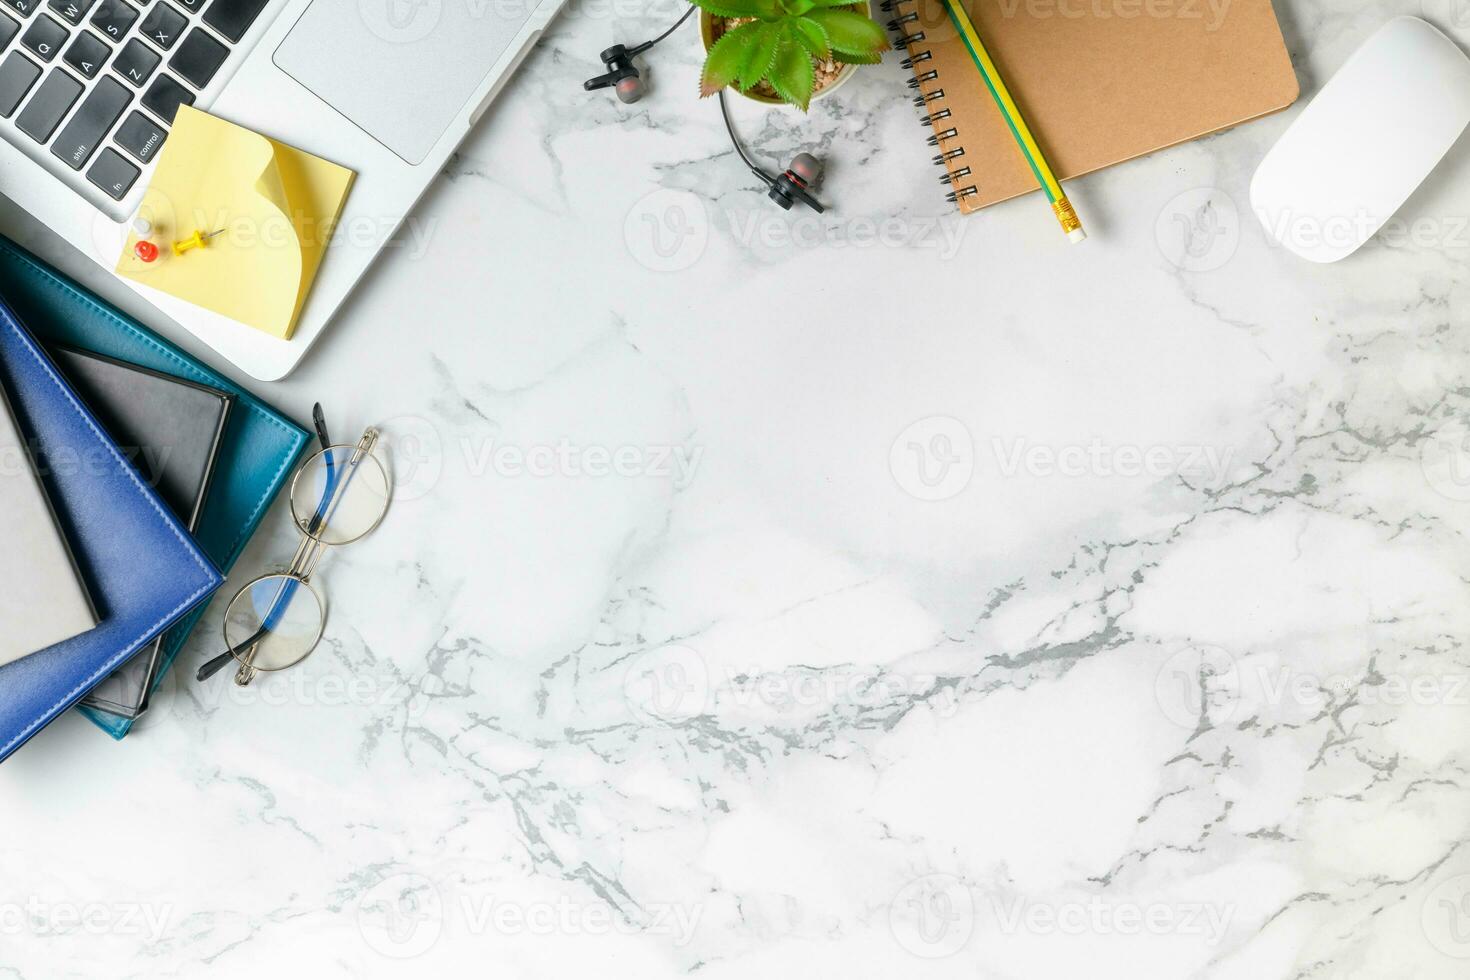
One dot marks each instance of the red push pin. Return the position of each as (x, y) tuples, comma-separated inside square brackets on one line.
[(145, 250)]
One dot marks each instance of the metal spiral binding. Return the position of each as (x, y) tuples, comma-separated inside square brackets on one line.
[(906, 14)]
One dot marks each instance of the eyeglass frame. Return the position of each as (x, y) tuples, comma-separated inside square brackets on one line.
[(309, 552)]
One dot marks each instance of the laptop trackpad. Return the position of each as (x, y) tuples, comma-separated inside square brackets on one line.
[(400, 69)]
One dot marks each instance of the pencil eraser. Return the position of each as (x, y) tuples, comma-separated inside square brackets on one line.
[(1076, 235)]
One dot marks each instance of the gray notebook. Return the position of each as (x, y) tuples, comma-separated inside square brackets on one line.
[(170, 430), (42, 598)]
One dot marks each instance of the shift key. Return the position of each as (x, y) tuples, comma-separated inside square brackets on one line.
[(93, 121), (57, 94)]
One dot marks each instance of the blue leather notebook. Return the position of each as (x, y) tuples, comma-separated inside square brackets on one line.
[(259, 449), (142, 568)]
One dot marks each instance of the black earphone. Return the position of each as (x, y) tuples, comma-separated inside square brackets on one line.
[(623, 77)]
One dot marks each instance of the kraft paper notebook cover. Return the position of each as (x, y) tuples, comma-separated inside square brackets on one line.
[(258, 452), (1098, 82), (143, 570)]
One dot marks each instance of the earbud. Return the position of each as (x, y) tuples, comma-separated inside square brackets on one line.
[(622, 75), (630, 89), (807, 167), (793, 184)]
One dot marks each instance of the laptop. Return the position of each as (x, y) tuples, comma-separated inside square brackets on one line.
[(387, 88)]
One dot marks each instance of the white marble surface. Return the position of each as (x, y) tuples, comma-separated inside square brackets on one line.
[(752, 608)]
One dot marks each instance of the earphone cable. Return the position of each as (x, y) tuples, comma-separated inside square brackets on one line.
[(648, 44), (730, 128)]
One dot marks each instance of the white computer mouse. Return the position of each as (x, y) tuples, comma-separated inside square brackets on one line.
[(1373, 133)]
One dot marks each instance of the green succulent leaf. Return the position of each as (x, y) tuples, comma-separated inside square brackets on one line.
[(810, 35), (797, 8), (728, 58), (792, 74), (842, 58), (833, 3), (733, 8), (762, 53), (849, 32)]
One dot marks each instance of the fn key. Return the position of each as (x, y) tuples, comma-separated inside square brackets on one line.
[(113, 174)]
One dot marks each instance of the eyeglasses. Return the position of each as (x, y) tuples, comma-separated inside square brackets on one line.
[(338, 496)]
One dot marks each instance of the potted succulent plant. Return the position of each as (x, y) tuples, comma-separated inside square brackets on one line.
[(789, 51)]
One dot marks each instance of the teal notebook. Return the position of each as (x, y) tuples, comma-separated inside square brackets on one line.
[(259, 448)]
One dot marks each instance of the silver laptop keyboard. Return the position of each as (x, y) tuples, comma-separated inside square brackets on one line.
[(96, 83)]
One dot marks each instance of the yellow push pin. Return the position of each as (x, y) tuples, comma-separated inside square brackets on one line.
[(197, 240)]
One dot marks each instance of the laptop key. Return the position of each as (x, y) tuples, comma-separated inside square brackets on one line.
[(45, 37), (114, 17), (44, 112), (87, 54), (71, 11), (17, 74), (233, 18), (91, 123), (113, 174), (135, 62), (23, 7), (140, 136), (163, 25), (164, 97), (8, 29), (198, 58)]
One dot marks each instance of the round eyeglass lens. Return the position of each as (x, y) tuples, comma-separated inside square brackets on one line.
[(274, 622), (338, 498)]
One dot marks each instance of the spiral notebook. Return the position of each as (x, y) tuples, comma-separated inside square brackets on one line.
[(1099, 81)]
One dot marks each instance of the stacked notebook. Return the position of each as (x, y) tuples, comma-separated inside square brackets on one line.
[(36, 565), (131, 478)]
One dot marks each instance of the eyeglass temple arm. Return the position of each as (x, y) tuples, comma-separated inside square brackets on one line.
[(283, 597), (319, 420), (214, 666)]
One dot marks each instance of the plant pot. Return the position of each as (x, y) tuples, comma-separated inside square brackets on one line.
[(708, 23)]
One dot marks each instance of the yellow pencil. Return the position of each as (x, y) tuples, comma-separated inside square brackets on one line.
[(1012, 115)]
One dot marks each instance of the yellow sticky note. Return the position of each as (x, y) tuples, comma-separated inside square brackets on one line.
[(274, 206)]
